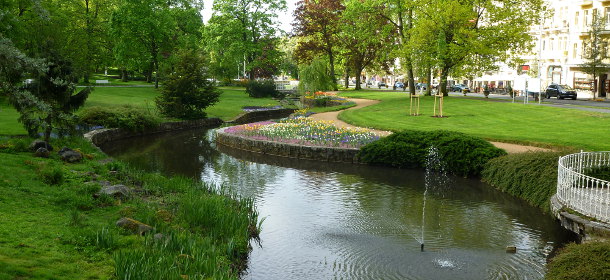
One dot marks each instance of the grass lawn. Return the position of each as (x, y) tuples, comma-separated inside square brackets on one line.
[(509, 122), (230, 105)]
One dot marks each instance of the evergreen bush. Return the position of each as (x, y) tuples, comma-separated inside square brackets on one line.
[(462, 154), (264, 88), (585, 261), (531, 176), (125, 117)]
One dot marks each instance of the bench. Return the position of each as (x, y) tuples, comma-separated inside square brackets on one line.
[(102, 82)]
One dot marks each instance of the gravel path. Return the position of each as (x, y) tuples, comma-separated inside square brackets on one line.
[(333, 116)]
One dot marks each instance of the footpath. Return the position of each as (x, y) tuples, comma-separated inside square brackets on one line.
[(360, 103)]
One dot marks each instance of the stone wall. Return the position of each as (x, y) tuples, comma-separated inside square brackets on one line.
[(101, 136), (258, 116), (586, 230), (330, 154)]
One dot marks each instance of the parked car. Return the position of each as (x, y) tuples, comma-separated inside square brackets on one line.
[(421, 86), (460, 88), (560, 91), (381, 84), (399, 85)]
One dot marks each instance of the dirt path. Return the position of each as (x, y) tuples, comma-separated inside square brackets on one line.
[(333, 116)]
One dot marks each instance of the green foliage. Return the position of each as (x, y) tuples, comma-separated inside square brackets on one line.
[(462, 154), (531, 176), (51, 174), (589, 261), (265, 88), (602, 173), (187, 92), (315, 77), (126, 117)]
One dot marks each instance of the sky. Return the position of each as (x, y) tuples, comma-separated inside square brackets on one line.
[(285, 18)]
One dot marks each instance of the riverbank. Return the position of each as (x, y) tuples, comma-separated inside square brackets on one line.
[(58, 223)]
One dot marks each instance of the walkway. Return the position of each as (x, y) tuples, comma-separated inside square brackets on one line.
[(333, 116)]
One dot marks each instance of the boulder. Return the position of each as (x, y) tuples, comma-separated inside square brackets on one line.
[(69, 155), (42, 152), (133, 226), (37, 144), (117, 191)]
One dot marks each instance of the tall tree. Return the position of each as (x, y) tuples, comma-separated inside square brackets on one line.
[(365, 36), (463, 29), (318, 23), (244, 32), (595, 52)]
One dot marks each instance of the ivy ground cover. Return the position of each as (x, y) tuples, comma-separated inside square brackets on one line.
[(306, 131)]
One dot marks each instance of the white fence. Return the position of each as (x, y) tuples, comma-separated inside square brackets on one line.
[(584, 194)]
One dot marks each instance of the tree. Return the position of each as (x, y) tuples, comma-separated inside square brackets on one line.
[(241, 31), (464, 29), (314, 77), (47, 102), (595, 52), (187, 91), (318, 23), (365, 36)]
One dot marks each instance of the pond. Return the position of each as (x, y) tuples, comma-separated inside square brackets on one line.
[(345, 221)]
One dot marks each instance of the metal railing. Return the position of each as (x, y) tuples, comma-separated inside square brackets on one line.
[(585, 194)]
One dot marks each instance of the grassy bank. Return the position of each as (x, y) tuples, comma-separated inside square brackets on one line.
[(510, 122), (230, 105), (55, 225)]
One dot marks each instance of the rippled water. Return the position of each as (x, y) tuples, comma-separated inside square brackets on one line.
[(343, 221)]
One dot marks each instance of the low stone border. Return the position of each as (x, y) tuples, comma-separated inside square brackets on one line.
[(585, 229), (331, 154), (257, 116), (101, 136)]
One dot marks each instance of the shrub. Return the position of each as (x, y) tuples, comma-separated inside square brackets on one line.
[(602, 173), (531, 176), (463, 154), (314, 77), (125, 117), (265, 88), (585, 261), (52, 175), (187, 91)]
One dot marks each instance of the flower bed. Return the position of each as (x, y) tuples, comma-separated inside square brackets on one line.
[(323, 99), (306, 131)]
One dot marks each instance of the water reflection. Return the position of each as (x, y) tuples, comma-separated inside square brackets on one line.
[(343, 221)]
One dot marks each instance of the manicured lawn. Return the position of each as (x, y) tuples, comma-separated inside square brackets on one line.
[(510, 122), (8, 120), (231, 102)]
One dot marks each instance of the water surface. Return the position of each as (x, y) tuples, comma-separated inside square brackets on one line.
[(344, 221)]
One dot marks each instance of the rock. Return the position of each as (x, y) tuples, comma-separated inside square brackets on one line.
[(69, 155), (40, 144), (511, 249), (133, 226), (117, 191), (42, 152), (158, 236)]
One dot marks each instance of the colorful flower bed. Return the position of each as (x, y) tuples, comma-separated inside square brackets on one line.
[(323, 99), (306, 131)]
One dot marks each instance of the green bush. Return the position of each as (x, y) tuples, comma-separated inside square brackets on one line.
[(265, 88), (52, 175), (531, 176), (589, 261), (462, 154), (602, 173), (125, 117)]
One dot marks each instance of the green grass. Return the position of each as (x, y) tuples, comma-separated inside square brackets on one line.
[(231, 102), (54, 228), (509, 122), (8, 119)]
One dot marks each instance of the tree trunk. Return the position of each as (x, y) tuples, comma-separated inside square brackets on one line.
[(358, 78), (429, 81), (49, 128), (124, 76), (411, 78), (156, 73), (346, 77), (443, 83)]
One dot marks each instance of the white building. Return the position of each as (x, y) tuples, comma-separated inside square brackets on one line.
[(559, 46)]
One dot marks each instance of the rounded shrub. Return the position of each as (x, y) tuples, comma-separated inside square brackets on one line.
[(126, 117), (585, 261), (264, 88), (462, 154)]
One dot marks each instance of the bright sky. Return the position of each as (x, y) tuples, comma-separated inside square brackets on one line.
[(284, 18)]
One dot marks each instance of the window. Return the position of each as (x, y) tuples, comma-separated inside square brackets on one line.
[(552, 44), (607, 15), (585, 20), (576, 16), (575, 51)]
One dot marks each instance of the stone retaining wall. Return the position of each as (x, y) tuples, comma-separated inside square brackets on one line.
[(101, 136), (586, 230), (331, 154), (258, 116)]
